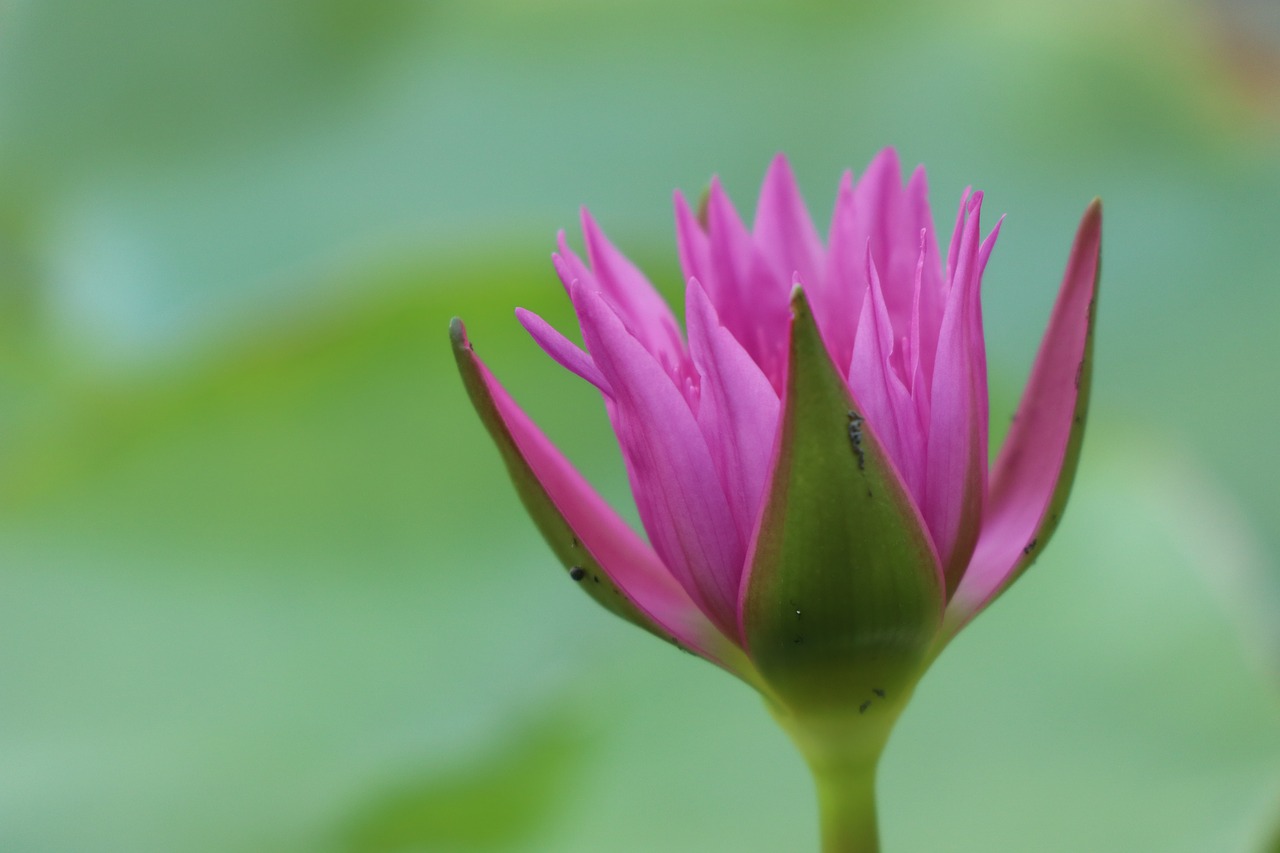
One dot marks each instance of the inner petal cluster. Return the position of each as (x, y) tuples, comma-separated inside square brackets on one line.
[(903, 327)]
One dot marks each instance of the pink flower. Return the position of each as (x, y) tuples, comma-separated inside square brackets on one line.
[(809, 459)]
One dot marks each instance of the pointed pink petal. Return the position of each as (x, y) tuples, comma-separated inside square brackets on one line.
[(929, 272), (881, 208), (729, 248), (673, 478), (738, 412), (915, 335), (629, 292), (620, 570), (837, 303), (886, 404), (899, 263), (569, 267), (691, 242), (988, 245), (877, 203), (954, 470), (560, 348), (1036, 466), (978, 347), (783, 230), (953, 251), (748, 294)]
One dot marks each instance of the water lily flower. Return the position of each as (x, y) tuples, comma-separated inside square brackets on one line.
[(809, 459)]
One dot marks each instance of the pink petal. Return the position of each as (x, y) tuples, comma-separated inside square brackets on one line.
[(569, 267), (691, 241), (978, 346), (564, 351), (886, 403), (928, 302), (738, 413), (729, 251), (673, 478), (953, 251), (542, 475), (837, 302), (954, 469), (783, 230), (916, 338), (629, 292), (747, 293), (1037, 462), (879, 207)]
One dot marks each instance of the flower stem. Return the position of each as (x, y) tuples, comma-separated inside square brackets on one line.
[(847, 809), (843, 751)]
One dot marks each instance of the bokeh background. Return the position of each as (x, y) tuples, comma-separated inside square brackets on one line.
[(264, 584)]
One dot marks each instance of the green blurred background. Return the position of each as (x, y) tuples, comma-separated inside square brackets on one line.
[(265, 586)]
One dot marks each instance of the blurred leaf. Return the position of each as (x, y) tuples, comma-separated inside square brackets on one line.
[(82, 83), (235, 593), (489, 803)]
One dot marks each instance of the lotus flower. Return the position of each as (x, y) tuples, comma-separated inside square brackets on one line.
[(810, 459)]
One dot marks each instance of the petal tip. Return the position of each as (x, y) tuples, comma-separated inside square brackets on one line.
[(1092, 214), (458, 334), (887, 156)]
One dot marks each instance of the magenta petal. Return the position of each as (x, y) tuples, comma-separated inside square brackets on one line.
[(886, 403), (1036, 466), (878, 205), (978, 347), (691, 241), (640, 307), (563, 350), (954, 469), (738, 411), (953, 251), (880, 209), (646, 314), (569, 267), (730, 248), (748, 296), (582, 529), (783, 230), (673, 478), (837, 301), (929, 298)]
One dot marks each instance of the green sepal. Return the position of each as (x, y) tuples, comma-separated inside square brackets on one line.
[(577, 560), (1090, 225), (844, 593), (1088, 233)]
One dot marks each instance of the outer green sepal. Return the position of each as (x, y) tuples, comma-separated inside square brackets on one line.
[(1090, 234), (1084, 268), (549, 520), (844, 595)]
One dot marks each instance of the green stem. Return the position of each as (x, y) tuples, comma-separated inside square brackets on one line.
[(842, 751), (847, 809)]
